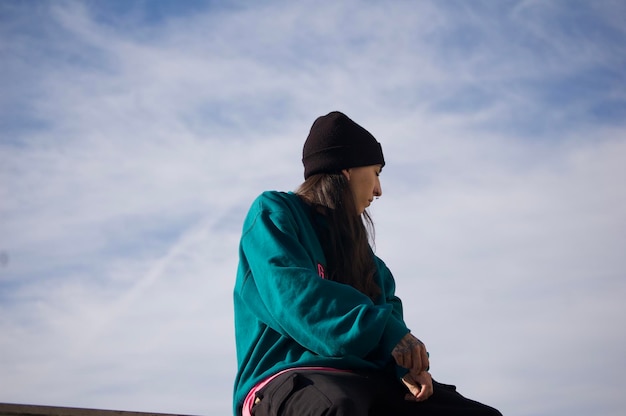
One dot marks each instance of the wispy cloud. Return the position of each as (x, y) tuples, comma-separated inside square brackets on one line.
[(134, 136)]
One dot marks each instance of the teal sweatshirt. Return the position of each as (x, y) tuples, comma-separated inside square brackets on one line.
[(288, 315)]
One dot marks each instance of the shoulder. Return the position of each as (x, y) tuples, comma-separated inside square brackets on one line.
[(277, 207), (276, 201), (382, 267)]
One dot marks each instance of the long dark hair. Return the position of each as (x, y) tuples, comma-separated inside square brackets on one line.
[(346, 238)]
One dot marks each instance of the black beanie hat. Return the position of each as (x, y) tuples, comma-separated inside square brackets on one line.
[(335, 142)]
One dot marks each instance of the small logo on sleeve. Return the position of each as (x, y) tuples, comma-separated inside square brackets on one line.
[(320, 271)]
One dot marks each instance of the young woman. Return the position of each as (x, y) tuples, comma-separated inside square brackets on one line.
[(319, 329)]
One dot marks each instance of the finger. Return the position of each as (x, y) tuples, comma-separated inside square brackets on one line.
[(413, 387), (408, 358), (416, 360), (400, 358), (396, 357), (406, 355), (424, 359), (422, 395), (425, 392)]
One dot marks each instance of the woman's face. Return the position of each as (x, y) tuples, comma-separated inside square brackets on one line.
[(365, 185)]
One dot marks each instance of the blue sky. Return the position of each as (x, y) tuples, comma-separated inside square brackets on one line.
[(134, 135)]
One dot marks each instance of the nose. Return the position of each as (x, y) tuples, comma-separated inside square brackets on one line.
[(378, 190)]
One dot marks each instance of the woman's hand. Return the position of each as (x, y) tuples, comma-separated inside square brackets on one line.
[(411, 353), (420, 387)]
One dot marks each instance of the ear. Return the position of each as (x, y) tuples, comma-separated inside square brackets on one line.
[(346, 173)]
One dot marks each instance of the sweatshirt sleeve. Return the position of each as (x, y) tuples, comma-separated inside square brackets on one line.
[(328, 318), (389, 291)]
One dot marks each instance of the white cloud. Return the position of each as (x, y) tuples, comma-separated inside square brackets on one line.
[(133, 152)]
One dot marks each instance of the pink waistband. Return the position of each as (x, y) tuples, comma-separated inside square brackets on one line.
[(251, 396)]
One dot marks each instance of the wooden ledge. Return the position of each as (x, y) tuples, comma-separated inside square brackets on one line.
[(9, 409)]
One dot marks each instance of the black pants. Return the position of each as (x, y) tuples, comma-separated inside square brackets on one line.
[(303, 393)]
